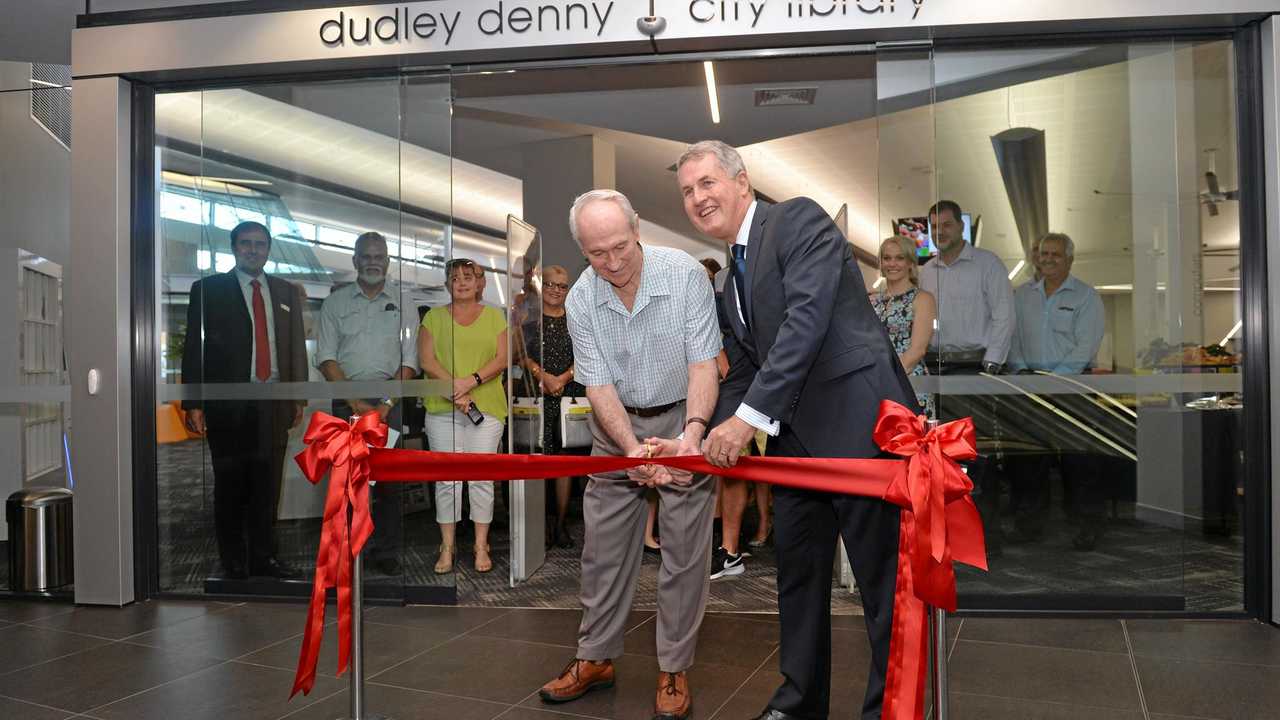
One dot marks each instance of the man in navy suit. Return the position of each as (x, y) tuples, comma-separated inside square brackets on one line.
[(251, 326), (809, 364)]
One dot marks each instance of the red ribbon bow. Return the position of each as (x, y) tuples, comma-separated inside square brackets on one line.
[(939, 523), (342, 447)]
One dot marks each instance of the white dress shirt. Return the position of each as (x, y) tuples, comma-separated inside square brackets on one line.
[(247, 288), (745, 412), (975, 303)]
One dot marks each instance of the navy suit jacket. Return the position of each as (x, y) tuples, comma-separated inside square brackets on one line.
[(816, 358)]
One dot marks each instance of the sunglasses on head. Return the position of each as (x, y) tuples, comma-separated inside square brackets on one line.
[(459, 263)]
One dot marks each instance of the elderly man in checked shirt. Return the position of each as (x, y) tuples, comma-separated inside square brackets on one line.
[(645, 341)]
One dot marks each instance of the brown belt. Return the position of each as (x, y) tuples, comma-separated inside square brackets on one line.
[(649, 412)]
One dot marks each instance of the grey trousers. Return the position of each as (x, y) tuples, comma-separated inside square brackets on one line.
[(614, 511)]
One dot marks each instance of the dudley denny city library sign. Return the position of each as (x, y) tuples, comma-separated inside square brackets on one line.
[(514, 28)]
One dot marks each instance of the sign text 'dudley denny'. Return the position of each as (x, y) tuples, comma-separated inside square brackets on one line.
[(440, 22)]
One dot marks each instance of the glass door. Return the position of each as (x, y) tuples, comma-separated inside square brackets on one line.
[(304, 230), (1076, 210)]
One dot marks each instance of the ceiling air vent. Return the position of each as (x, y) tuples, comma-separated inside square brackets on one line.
[(773, 97), (51, 100)]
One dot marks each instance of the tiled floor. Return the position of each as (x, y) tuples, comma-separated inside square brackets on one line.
[(190, 660)]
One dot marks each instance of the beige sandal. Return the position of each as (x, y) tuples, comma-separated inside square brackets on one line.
[(484, 563), (444, 563)]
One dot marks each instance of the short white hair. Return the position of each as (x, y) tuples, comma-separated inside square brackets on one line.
[(1068, 245), (730, 160), (594, 196)]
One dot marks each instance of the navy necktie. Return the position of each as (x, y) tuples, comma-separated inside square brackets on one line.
[(740, 277)]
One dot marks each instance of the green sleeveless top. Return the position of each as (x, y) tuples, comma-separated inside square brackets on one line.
[(464, 349)]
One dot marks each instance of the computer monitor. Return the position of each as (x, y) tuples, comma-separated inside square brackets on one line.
[(920, 231)]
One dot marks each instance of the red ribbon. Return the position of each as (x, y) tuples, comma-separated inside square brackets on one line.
[(343, 448), (939, 524)]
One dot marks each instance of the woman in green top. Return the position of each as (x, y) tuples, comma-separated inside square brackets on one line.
[(464, 343)]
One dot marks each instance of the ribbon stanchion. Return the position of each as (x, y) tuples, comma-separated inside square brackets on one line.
[(939, 523), (938, 651)]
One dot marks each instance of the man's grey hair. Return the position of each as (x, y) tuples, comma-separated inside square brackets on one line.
[(1068, 246), (366, 238), (594, 196), (729, 159)]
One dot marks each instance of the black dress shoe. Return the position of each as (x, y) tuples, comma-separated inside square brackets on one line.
[(771, 714), (272, 567), (389, 566), (234, 571)]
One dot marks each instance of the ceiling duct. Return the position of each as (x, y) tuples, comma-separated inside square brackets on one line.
[(1021, 158), (775, 97)]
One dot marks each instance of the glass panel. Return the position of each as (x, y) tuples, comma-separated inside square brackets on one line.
[(1112, 434), (424, 244), (531, 410), (905, 190), (309, 176), (35, 105)]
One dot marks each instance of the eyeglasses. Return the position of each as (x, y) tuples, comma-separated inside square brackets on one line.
[(562, 287)]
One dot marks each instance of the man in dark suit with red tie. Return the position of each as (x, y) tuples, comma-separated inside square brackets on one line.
[(251, 325), (809, 364)]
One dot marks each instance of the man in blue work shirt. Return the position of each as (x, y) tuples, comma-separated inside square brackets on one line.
[(1059, 319), (1058, 330), (368, 331)]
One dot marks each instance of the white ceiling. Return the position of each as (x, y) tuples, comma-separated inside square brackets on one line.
[(838, 151)]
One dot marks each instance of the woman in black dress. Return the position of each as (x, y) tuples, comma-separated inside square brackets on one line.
[(550, 361)]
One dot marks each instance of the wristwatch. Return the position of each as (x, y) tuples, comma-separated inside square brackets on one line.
[(479, 380), (389, 402)]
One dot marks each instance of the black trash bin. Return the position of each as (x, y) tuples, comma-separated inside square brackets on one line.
[(40, 553)]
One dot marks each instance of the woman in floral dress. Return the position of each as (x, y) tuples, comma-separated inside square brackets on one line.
[(906, 311)]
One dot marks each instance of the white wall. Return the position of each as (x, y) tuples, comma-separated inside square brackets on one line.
[(35, 172), (35, 175)]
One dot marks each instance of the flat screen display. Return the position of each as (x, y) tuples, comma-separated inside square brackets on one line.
[(919, 230)]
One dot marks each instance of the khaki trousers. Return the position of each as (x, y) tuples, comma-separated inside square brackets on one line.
[(614, 511)]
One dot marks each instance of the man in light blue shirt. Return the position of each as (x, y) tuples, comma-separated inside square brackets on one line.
[(1059, 329), (1059, 319), (368, 330)]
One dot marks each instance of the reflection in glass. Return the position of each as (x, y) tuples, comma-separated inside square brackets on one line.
[(1112, 434)]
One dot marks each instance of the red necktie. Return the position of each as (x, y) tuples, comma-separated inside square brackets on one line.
[(261, 345)]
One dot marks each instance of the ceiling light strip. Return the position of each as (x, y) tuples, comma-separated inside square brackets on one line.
[(712, 96), (1017, 269)]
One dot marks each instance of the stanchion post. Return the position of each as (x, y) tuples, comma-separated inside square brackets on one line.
[(938, 657), (357, 642)]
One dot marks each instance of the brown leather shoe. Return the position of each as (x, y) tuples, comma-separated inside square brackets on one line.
[(577, 679), (674, 701)]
